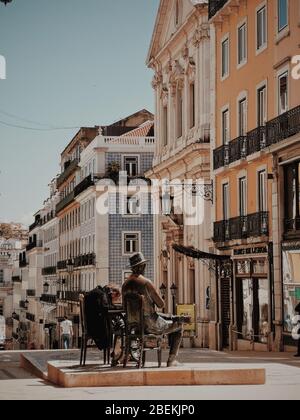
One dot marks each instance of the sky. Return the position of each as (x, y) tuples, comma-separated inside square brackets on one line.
[(69, 63)]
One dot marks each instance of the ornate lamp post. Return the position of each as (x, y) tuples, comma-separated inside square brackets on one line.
[(163, 290), (174, 290)]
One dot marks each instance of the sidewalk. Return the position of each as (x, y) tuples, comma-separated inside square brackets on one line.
[(283, 378)]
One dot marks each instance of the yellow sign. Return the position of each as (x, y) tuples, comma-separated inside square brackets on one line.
[(188, 310)]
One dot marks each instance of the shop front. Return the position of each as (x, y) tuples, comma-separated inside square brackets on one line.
[(253, 297), (291, 290)]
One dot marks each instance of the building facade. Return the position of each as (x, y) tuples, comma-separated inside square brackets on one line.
[(179, 56), (255, 113)]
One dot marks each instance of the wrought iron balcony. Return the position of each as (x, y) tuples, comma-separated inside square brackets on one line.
[(62, 265), (85, 260), (48, 271), (31, 292), (16, 279), (65, 202), (275, 131), (242, 227), (214, 6), (38, 222), (238, 149), (34, 244), (5, 284), (84, 185), (70, 168), (51, 299), (69, 296)]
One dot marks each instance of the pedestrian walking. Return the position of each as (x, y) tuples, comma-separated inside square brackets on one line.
[(66, 328)]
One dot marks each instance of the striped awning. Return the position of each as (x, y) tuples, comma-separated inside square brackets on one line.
[(198, 255)]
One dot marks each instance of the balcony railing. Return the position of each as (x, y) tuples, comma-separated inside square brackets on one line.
[(17, 279), (85, 260), (35, 244), (31, 292), (242, 227), (48, 271), (69, 296), (62, 265), (65, 202), (35, 224), (275, 131), (51, 299), (214, 6), (84, 185), (73, 165), (5, 284)]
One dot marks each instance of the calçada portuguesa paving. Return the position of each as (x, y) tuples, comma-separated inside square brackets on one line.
[(283, 378)]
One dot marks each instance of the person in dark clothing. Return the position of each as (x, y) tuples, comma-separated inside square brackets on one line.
[(154, 323), (297, 310), (97, 304)]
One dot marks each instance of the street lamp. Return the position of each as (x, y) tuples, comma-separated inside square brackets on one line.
[(163, 290), (5, 1), (174, 290)]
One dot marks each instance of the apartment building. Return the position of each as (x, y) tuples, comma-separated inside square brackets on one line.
[(255, 120), (179, 55)]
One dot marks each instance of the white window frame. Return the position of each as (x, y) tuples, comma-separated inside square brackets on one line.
[(226, 108), (280, 30), (259, 170), (241, 177), (264, 46), (284, 71), (138, 233), (131, 215), (259, 87), (244, 61), (224, 183), (243, 96), (225, 75), (124, 157)]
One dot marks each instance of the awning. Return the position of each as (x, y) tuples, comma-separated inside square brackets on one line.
[(198, 255)]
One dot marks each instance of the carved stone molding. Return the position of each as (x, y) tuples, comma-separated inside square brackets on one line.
[(157, 80), (203, 32)]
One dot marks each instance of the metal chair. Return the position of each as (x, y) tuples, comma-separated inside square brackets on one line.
[(86, 337), (135, 331)]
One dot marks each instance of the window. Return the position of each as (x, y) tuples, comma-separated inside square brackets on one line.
[(292, 196), (225, 126), (1, 276), (226, 202), (225, 58), (262, 191), (243, 117), (131, 243), (243, 196), (179, 113), (132, 206), (242, 44), (165, 126), (261, 19), (262, 106), (283, 93), (192, 105), (131, 164), (282, 14)]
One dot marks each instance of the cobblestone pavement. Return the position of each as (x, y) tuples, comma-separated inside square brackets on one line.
[(283, 379)]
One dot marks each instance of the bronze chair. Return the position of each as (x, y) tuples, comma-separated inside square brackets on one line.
[(135, 331), (86, 337)]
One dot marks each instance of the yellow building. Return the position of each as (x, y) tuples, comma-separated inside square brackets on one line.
[(255, 120)]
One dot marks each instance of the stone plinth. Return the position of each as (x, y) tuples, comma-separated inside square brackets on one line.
[(68, 375)]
